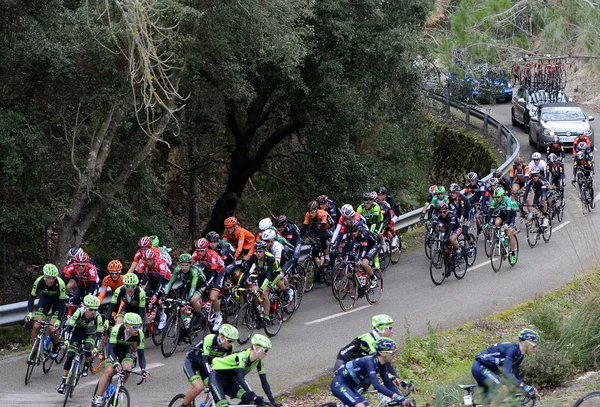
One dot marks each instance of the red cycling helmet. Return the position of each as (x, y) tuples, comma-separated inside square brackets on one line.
[(201, 243), (82, 257), (145, 242), (148, 254)]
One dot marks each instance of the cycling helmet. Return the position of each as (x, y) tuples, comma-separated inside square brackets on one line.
[(534, 171), (265, 224), (472, 176), (201, 243), (91, 301), (260, 340), (367, 196), (552, 158), (213, 236), (260, 245), (385, 345), (155, 241), (381, 321), (497, 174), (148, 254), (268, 235), (493, 181), (347, 210), (131, 318), (432, 189), (131, 279), (382, 191), (580, 155), (440, 189), (230, 221), (555, 138), (281, 221), (312, 206), (50, 270), (529, 335), (185, 258), (499, 192), (115, 266), (82, 257), (353, 227), (74, 250), (321, 199), (518, 161), (443, 207), (454, 188), (144, 242), (536, 156), (229, 332), (582, 145)]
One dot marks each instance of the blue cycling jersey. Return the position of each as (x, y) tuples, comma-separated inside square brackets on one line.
[(357, 370), (505, 358)]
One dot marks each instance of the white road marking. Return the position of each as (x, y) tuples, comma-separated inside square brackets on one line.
[(597, 197), (93, 383), (336, 315), (554, 229)]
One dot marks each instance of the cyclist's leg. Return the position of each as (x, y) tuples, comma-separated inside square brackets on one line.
[(192, 371), (345, 392), (217, 384), (486, 379)]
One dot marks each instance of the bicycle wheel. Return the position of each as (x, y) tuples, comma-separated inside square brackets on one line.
[(288, 309), (591, 399), (375, 291), (587, 199), (339, 272), (98, 360), (437, 267), (170, 336), (460, 265), (61, 352), (156, 332), (296, 284), (32, 360), (46, 360), (497, 253), (177, 401), (310, 271), (384, 254), (471, 254), (396, 249), (487, 241), (559, 210), (547, 230), (274, 326), (245, 323), (348, 292), (516, 251), (120, 399), (427, 243), (67, 391), (532, 236)]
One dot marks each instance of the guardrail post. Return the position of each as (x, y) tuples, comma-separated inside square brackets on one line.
[(467, 115), (499, 135), (447, 104), (485, 122)]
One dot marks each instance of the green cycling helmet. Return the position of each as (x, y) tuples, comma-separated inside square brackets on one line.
[(50, 270), (440, 189), (185, 258), (131, 318), (130, 279), (261, 340), (91, 301), (154, 239), (381, 321), (529, 335), (499, 192), (229, 332)]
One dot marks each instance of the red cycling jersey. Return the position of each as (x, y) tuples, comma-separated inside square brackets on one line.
[(159, 268), (138, 254), (85, 277), (210, 261), (342, 222)]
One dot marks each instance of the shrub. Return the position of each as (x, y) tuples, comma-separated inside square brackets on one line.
[(547, 319), (547, 367), (579, 339)]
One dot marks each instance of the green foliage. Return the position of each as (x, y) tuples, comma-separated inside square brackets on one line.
[(547, 367), (580, 340), (547, 318)]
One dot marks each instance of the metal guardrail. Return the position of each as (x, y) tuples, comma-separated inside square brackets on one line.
[(12, 313)]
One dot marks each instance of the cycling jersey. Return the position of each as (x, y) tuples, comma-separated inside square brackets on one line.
[(268, 268), (586, 167), (134, 303), (580, 138), (277, 251), (331, 209), (460, 206), (505, 358), (223, 249), (197, 364), (435, 201), (109, 283), (87, 277), (537, 187), (556, 174), (392, 203), (450, 223), (241, 239), (507, 209), (541, 166), (587, 151), (386, 210), (292, 234), (194, 280), (50, 296), (506, 184), (365, 242), (362, 345), (321, 221), (161, 255), (477, 189), (519, 174), (341, 226), (80, 326), (119, 346), (373, 216), (556, 148), (356, 371)]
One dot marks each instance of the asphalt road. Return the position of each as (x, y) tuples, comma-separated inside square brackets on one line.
[(307, 345)]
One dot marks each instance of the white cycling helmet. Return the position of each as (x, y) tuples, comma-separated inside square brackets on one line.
[(265, 224), (268, 235), (536, 156), (472, 176), (347, 210)]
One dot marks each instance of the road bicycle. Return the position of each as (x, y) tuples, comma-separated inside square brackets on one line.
[(444, 261), (357, 284), (535, 228), (74, 373), (117, 395), (556, 201), (405, 390), (40, 352), (586, 193), (98, 360), (501, 248), (252, 316), (156, 316), (470, 247), (209, 401), (469, 401), (315, 269), (342, 267), (394, 239), (182, 326), (591, 399)]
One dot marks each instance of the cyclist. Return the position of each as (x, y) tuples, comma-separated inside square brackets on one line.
[(382, 195), (81, 276), (354, 372), (84, 328), (197, 364), (348, 215), (502, 363), (165, 252), (52, 295), (328, 206), (587, 150), (154, 273), (193, 283), (227, 377), (438, 197), (274, 247), (223, 248), (113, 280), (556, 172), (269, 275), (555, 147), (265, 224), (447, 219), (371, 211), (474, 186), (519, 174), (583, 169), (126, 343), (211, 263), (537, 162), (489, 193), (462, 208), (504, 210), (144, 244), (365, 243), (539, 185), (240, 238), (503, 181), (291, 233), (131, 295), (579, 139), (321, 222)]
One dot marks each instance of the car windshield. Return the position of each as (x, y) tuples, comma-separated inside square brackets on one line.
[(561, 114)]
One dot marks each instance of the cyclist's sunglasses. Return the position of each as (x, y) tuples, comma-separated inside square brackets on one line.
[(382, 327), (230, 340), (130, 287), (264, 350), (259, 251), (81, 264), (532, 343), (135, 327), (367, 202), (200, 250)]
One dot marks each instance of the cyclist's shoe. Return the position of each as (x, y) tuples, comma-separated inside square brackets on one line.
[(218, 322), (30, 361), (545, 222), (458, 254), (266, 320), (593, 203), (61, 388), (373, 282), (54, 353), (290, 297), (197, 322), (86, 370), (512, 259), (98, 402)]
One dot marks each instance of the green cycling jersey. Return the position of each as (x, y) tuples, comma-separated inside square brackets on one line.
[(373, 216), (505, 206), (194, 278), (239, 360)]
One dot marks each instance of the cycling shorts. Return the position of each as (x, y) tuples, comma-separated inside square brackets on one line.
[(195, 372), (485, 378), (123, 357), (44, 305), (346, 393)]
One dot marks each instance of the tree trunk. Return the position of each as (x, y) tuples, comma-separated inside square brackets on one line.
[(194, 210)]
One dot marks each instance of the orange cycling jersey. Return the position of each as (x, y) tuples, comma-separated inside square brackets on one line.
[(108, 282), (241, 239), (321, 217), (520, 173)]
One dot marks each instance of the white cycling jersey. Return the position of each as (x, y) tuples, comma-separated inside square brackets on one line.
[(277, 250), (541, 165)]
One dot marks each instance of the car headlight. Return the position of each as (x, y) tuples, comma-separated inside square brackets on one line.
[(546, 132), (588, 131)]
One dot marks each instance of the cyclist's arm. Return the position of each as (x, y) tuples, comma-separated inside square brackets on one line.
[(265, 386), (372, 374), (140, 350), (142, 304), (240, 374), (172, 280), (268, 272), (193, 284), (33, 294), (99, 329)]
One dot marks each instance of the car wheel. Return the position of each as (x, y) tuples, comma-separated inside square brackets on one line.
[(531, 141), (526, 123), (512, 117)]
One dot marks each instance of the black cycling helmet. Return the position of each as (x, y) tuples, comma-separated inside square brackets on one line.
[(312, 206), (529, 335), (281, 221), (454, 188), (353, 227), (497, 174), (382, 191), (260, 245), (443, 207), (321, 199), (213, 236)]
